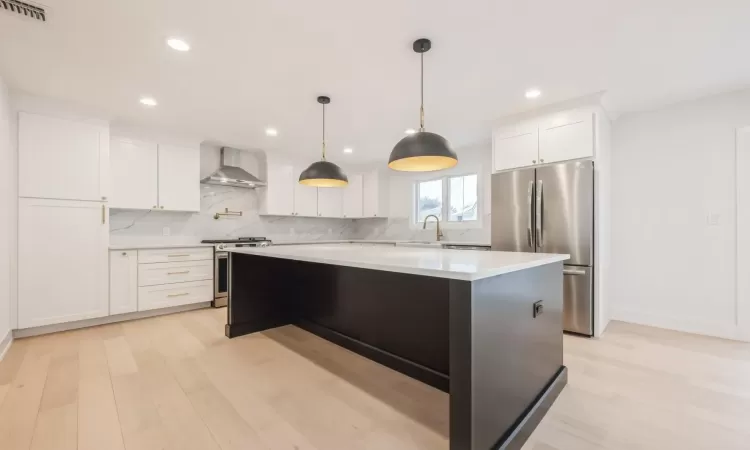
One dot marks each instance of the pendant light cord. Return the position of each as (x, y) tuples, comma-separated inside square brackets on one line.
[(324, 132), (421, 84)]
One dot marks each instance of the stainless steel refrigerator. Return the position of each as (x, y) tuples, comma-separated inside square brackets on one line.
[(551, 210)]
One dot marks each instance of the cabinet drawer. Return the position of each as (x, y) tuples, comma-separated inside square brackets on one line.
[(164, 255), (175, 272), (167, 295)]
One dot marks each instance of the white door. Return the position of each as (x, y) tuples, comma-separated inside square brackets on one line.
[(330, 202), (515, 146), (565, 136), (123, 281), (279, 194), (134, 174), (352, 201), (179, 178), (305, 199), (370, 194), (62, 159), (62, 261)]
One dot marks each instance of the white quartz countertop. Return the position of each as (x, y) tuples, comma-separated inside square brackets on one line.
[(152, 246), (466, 265), (383, 242)]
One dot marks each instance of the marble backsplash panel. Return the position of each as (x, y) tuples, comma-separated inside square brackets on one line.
[(399, 228), (144, 227)]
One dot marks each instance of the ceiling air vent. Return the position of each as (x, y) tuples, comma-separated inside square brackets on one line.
[(24, 9)]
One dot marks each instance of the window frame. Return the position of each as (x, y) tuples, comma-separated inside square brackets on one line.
[(444, 222)]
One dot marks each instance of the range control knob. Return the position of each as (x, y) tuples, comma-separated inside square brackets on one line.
[(221, 246)]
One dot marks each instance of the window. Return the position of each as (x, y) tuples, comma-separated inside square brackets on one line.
[(452, 199), (463, 198)]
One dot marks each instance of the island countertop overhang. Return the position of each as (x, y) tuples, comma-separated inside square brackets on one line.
[(467, 265)]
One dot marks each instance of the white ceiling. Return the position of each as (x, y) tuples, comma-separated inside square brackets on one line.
[(263, 62)]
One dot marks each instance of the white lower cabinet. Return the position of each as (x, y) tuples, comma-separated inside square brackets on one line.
[(63, 247), (144, 280), (178, 294), (123, 281)]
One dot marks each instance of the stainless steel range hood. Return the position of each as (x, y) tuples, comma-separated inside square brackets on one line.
[(229, 174)]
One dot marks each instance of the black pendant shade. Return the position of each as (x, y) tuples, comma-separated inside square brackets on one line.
[(422, 151), (323, 173)]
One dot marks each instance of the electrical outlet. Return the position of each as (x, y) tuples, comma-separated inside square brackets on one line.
[(165, 231)]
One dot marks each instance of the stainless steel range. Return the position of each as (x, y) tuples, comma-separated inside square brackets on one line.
[(221, 263)]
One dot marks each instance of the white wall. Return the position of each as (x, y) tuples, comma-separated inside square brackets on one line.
[(673, 216), (7, 212)]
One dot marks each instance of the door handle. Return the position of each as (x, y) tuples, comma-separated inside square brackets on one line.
[(539, 214), (178, 273), (574, 272), (529, 198), (178, 295), (104, 215)]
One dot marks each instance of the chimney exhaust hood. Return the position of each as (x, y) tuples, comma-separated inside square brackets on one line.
[(229, 174)]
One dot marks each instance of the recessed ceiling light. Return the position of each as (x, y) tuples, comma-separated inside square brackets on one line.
[(272, 132), (348, 150), (410, 131), (533, 93), (148, 101), (178, 44)]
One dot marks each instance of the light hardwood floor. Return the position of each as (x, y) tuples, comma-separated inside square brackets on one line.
[(175, 382)]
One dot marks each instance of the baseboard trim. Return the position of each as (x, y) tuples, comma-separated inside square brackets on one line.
[(56, 328), (5, 344), (732, 332)]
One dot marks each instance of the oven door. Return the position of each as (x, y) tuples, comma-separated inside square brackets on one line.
[(221, 277)]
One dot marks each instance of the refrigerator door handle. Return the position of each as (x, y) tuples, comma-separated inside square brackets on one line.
[(539, 214), (529, 199), (574, 272)]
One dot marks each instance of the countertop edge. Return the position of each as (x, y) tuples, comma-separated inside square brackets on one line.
[(461, 276)]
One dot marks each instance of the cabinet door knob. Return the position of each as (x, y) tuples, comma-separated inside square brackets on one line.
[(541, 160), (124, 253), (161, 207), (533, 161), (155, 207)]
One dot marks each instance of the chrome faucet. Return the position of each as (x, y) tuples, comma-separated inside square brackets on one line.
[(439, 233)]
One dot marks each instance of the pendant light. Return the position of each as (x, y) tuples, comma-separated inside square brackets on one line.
[(323, 173), (422, 151)]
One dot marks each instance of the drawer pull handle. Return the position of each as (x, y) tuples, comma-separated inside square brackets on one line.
[(178, 255), (178, 295), (178, 273)]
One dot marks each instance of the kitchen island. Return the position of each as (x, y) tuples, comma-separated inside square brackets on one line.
[(485, 327)]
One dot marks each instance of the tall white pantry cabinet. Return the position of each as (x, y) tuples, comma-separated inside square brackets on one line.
[(63, 230)]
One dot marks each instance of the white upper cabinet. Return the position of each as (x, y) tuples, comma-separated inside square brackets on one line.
[(62, 159), (365, 196), (565, 136), (374, 195), (279, 194), (305, 199), (62, 261), (179, 178), (515, 146), (551, 138), (134, 174), (330, 202), (352, 197)]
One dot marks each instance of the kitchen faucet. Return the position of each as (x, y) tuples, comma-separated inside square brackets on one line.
[(439, 233)]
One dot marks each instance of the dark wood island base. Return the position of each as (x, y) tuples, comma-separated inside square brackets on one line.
[(486, 342)]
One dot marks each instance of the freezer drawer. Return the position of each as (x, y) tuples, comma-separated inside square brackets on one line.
[(578, 300)]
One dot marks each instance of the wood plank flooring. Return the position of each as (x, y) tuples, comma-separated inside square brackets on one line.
[(175, 382)]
